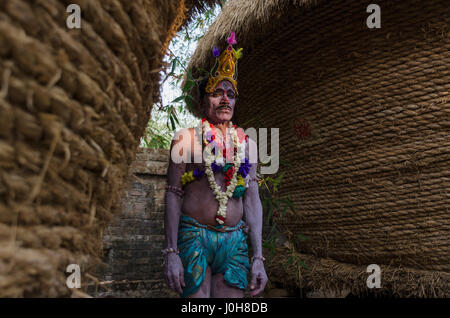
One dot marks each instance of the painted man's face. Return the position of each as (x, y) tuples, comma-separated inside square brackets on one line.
[(219, 105)]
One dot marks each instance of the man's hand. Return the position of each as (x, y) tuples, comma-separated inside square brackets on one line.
[(259, 277), (174, 272)]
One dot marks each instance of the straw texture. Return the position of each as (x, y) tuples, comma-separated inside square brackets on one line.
[(364, 121), (73, 104), (335, 279)]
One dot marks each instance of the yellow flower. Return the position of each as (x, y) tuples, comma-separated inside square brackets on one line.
[(240, 181), (187, 177)]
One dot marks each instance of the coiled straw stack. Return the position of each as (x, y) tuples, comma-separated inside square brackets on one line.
[(364, 119), (73, 106)]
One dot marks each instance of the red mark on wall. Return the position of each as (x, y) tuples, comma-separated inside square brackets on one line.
[(302, 128)]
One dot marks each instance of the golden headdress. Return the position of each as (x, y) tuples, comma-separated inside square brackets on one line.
[(226, 65)]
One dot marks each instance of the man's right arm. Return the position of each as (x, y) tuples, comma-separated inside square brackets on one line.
[(173, 202), (173, 196)]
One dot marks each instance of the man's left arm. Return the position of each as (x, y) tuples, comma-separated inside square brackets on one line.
[(254, 218)]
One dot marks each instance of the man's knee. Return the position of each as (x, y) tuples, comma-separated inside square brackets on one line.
[(220, 288), (205, 288)]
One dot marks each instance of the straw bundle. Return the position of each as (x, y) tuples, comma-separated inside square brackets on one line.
[(74, 104), (364, 120), (330, 278)]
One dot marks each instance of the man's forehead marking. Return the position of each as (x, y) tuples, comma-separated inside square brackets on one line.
[(227, 86)]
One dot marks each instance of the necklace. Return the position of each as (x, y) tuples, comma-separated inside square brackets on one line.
[(215, 160)]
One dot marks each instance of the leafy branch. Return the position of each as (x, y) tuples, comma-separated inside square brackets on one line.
[(166, 118), (275, 210)]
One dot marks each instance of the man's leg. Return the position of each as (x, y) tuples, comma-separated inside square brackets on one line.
[(205, 288), (220, 289)]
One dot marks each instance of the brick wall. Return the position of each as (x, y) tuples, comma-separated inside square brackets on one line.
[(133, 241)]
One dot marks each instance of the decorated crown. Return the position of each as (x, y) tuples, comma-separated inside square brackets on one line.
[(225, 67)]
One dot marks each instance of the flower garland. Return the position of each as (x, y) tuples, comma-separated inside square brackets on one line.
[(216, 162), (228, 169)]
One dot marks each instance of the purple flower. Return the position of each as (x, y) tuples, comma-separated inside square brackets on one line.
[(216, 51), (244, 169), (215, 167), (197, 173)]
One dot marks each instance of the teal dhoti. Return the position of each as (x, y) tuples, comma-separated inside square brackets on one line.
[(224, 252)]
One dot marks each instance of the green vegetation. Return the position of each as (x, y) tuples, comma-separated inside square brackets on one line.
[(170, 113)]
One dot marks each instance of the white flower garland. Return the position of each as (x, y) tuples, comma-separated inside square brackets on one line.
[(222, 197)]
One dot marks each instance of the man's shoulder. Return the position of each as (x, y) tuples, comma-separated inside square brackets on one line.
[(186, 135), (184, 131), (181, 136)]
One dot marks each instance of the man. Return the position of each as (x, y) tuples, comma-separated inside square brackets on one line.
[(197, 202), (206, 248)]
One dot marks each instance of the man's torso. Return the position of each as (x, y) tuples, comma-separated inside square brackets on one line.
[(199, 201)]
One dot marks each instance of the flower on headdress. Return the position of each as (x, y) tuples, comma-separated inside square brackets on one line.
[(216, 51), (238, 53), (232, 39)]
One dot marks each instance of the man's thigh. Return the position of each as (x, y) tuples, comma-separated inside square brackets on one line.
[(220, 289), (205, 288)]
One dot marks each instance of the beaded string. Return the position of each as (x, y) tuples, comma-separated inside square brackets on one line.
[(178, 191)]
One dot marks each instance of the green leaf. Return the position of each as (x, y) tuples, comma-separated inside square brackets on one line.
[(303, 237), (280, 177), (172, 122), (269, 211), (265, 183), (175, 117), (190, 75), (238, 53), (174, 64), (188, 86), (286, 163), (189, 102), (299, 261), (275, 204), (178, 99), (289, 261), (290, 204), (203, 70)]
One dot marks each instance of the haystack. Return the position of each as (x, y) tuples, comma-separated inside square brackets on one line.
[(74, 104), (364, 119)]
